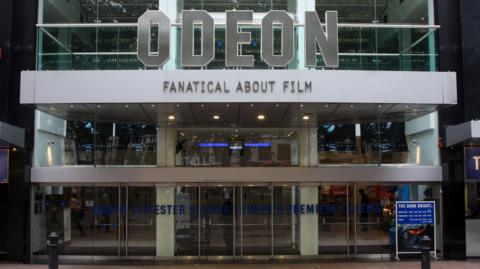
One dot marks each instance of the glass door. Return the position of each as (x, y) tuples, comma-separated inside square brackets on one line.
[(333, 219), (108, 221), (256, 221), (375, 218), (217, 217), (285, 221), (141, 221)]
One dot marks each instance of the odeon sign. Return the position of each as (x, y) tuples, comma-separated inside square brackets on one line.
[(315, 36)]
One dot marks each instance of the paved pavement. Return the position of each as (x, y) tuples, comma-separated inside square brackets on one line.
[(356, 265)]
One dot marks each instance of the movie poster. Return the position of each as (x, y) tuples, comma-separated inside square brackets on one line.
[(414, 221)]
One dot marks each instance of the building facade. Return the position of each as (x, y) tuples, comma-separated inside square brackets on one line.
[(236, 158)]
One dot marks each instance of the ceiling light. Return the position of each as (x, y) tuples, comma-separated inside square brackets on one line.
[(277, 105), (153, 105), (301, 105), (352, 106), (202, 105), (216, 117), (126, 106), (326, 106), (178, 105), (406, 106), (236, 131), (252, 105), (99, 106), (380, 106), (306, 117), (72, 106), (261, 117), (171, 117), (227, 105)]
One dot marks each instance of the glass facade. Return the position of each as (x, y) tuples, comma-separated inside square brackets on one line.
[(141, 144), (101, 35), (238, 220)]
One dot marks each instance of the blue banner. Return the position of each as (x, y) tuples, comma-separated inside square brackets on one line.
[(3, 166), (472, 163), (415, 213)]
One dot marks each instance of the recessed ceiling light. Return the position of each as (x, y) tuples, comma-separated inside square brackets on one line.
[(178, 105), (236, 130), (252, 105), (326, 106), (99, 106), (171, 117), (202, 105), (153, 105), (277, 105), (301, 105), (227, 105), (216, 117), (306, 117), (261, 117)]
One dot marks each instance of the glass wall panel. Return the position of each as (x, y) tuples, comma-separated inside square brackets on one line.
[(141, 222), (95, 11), (125, 144), (285, 222), (333, 219), (187, 225), (379, 11), (375, 215), (87, 219), (79, 143), (107, 221), (255, 5), (217, 221), (367, 143), (256, 220), (237, 147)]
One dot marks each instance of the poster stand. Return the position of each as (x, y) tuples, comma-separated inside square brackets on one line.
[(415, 213)]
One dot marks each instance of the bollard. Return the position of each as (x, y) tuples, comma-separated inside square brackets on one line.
[(426, 246), (52, 244)]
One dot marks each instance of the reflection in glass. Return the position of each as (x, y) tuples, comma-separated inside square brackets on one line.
[(379, 11), (256, 220), (369, 143), (141, 221), (255, 147), (187, 225), (222, 5), (89, 143), (333, 233), (286, 232), (217, 226)]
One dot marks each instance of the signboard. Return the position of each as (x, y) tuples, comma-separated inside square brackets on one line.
[(472, 163), (315, 37), (414, 220), (3, 166)]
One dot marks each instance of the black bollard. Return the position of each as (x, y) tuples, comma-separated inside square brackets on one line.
[(426, 247), (52, 244)]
